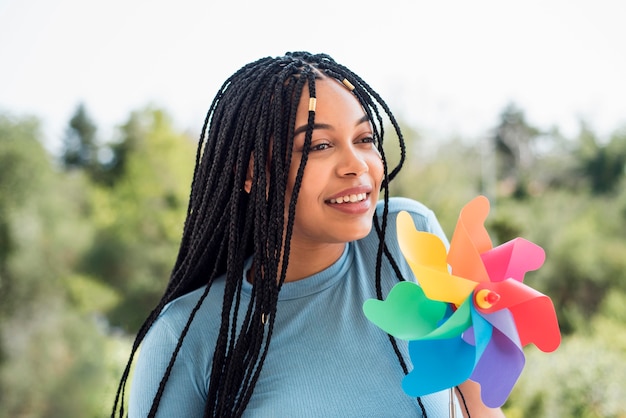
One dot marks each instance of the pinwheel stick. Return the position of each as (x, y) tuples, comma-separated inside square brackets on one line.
[(452, 407)]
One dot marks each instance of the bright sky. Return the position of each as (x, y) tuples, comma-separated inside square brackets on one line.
[(446, 66)]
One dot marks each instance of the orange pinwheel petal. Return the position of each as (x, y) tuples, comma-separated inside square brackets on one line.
[(470, 240)]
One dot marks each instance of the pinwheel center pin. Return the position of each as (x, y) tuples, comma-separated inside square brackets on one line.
[(486, 298)]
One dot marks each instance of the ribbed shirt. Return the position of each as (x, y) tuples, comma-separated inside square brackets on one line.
[(325, 358)]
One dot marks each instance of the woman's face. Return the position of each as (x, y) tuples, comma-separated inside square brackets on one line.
[(343, 173)]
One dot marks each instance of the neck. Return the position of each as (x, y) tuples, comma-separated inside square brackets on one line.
[(306, 260)]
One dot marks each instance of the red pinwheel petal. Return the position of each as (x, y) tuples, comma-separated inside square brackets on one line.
[(532, 311)]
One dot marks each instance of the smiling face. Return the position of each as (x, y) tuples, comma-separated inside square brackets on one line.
[(343, 173)]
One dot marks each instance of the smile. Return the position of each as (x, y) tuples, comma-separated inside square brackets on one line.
[(352, 198)]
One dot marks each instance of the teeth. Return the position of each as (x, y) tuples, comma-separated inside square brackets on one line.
[(352, 198)]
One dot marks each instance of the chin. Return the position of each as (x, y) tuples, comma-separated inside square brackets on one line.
[(360, 233)]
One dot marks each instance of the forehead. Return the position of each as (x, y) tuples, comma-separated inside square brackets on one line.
[(333, 101)]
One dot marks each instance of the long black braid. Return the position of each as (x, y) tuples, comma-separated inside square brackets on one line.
[(225, 225)]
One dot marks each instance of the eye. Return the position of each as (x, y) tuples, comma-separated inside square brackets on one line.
[(366, 140), (319, 146)]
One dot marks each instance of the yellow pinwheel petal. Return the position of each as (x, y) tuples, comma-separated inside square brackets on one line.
[(426, 255)]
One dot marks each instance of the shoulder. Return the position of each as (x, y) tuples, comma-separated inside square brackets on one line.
[(423, 217), (185, 392), (189, 375), (367, 249), (176, 314), (165, 332)]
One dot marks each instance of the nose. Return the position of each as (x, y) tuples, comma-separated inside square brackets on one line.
[(352, 163)]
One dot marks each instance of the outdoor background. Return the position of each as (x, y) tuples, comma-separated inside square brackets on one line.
[(101, 104)]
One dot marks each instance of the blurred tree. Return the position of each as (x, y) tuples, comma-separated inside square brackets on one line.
[(51, 358), (104, 162), (514, 142), (80, 148), (556, 164), (602, 165), (132, 140), (139, 218), (25, 176), (443, 175)]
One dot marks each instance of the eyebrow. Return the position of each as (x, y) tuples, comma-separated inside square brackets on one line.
[(302, 128)]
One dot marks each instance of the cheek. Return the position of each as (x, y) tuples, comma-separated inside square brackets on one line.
[(308, 182), (314, 180), (375, 164)]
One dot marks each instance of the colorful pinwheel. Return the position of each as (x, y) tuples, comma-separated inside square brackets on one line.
[(469, 321)]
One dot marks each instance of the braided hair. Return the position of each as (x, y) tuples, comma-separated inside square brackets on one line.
[(252, 118)]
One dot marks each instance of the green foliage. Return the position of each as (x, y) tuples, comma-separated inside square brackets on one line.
[(88, 295), (583, 378), (56, 367), (51, 363), (513, 142), (444, 176), (139, 218), (31, 216), (80, 149)]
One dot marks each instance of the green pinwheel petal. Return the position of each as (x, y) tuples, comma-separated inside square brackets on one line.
[(406, 313), (457, 323)]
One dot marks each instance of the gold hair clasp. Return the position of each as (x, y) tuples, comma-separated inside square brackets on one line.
[(312, 104), (348, 84)]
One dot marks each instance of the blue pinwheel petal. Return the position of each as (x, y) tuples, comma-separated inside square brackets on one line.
[(482, 331), (441, 363), (438, 365)]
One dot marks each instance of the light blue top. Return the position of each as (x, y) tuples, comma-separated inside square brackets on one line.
[(325, 358)]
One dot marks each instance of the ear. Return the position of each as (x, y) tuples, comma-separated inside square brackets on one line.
[(247, 185)]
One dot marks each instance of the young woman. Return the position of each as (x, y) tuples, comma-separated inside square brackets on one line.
[(286, 236)]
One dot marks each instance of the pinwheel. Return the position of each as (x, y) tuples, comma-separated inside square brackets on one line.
[(471, 314)]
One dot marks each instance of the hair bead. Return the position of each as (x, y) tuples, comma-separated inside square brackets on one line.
[(348, 84)]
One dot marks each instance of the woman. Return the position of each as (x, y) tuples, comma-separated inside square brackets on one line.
[(286, 236)]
